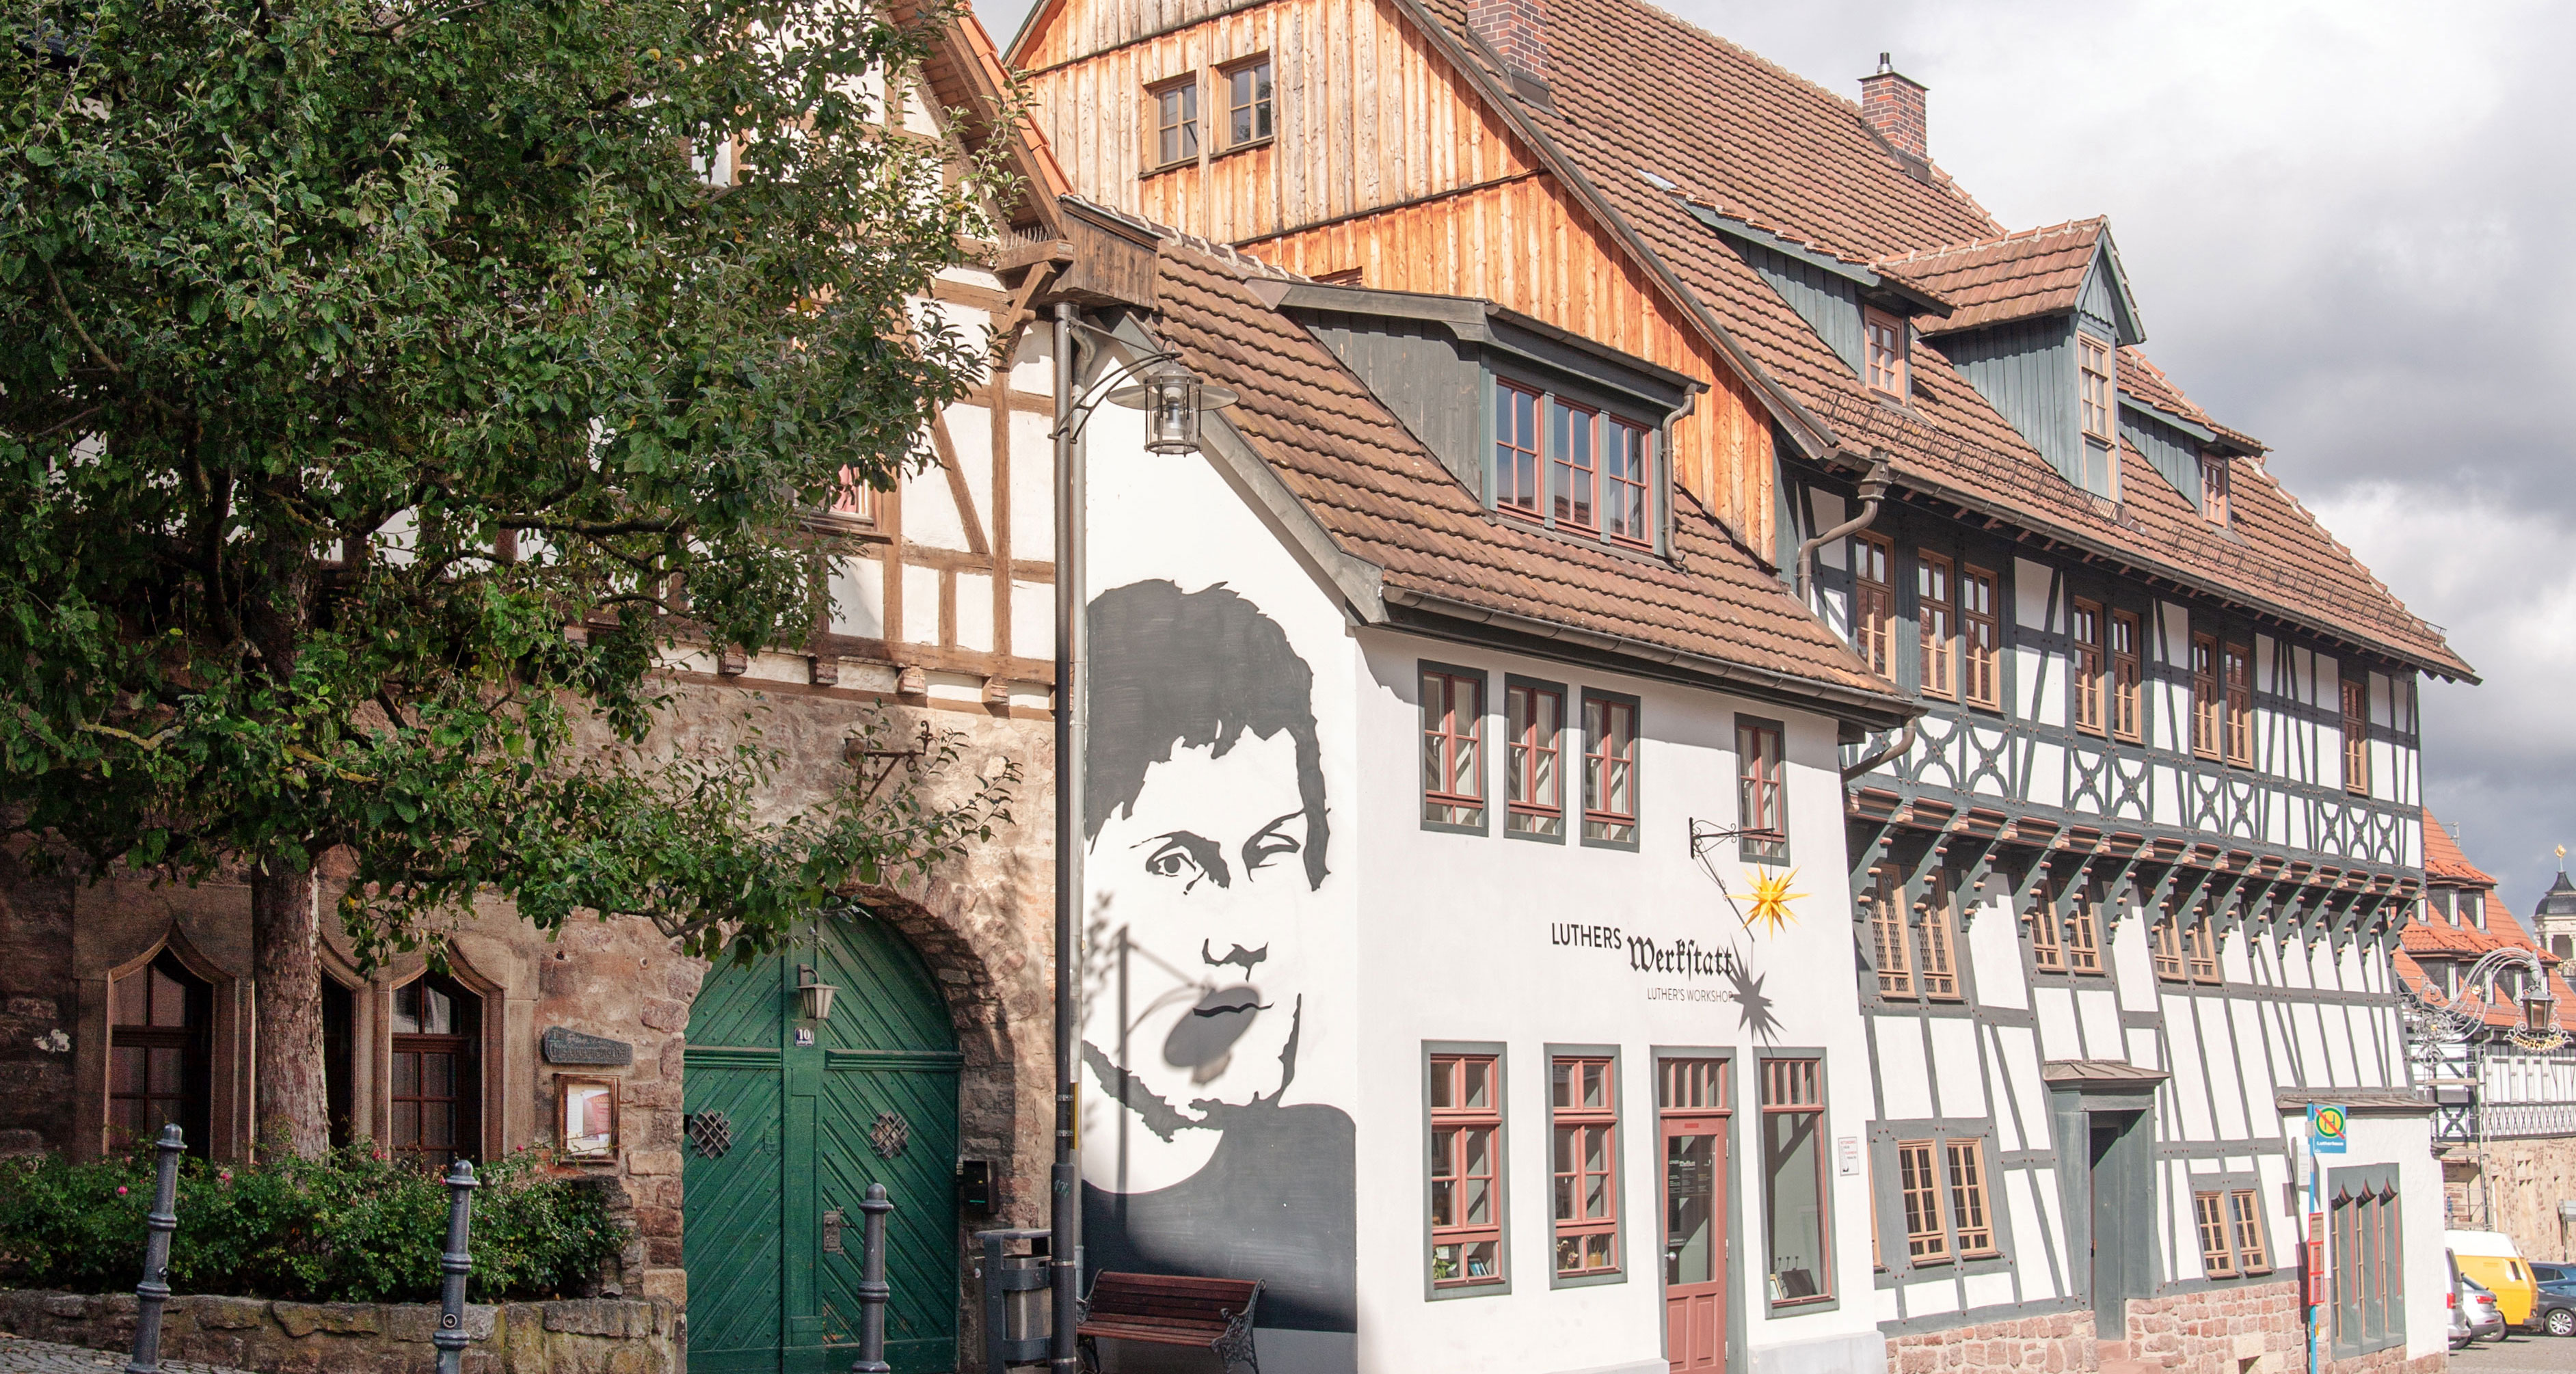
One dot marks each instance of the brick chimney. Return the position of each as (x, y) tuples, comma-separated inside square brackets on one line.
[(1893, 104), (1516, 30)]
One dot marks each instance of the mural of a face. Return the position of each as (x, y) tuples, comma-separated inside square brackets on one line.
[(1208, 838)]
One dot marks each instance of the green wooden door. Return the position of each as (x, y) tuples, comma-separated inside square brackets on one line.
[(781, 1132)]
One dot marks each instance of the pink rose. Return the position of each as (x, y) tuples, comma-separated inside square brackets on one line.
[(120, 1190)]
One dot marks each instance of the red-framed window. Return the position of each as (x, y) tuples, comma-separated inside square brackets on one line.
[(1627, 468), (2093, 359), (2128, 719), (1453, 757), (1516, 442), (1583, 1120), (1874, 603), (2047, 945), (1533, 772), (1761, 790), (1609, 769), (2356, 736), (1934, 597), (2213, 488), (437, 1075), (2206, 706), (2168, 950), (1467, 1176), (1884, 353), (2200, 951), (1798, 1223), (2236, 672), (1939, 974), (1574, 459), (2084, 628), (1981, 640)]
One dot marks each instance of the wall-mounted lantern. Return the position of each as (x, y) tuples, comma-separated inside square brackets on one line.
[(813, 996), (1173, 399), (2539, 1013)]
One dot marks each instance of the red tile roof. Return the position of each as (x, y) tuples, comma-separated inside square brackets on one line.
[(1635, 89), (1384, 498), (2445, 864), (2012, 277)]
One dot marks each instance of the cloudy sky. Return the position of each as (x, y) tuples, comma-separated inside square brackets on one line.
[(2347, 227)]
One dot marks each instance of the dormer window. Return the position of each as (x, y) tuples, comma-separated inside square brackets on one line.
[(2213, 488), (1884, 346), (2093, 359), (1572, 466)]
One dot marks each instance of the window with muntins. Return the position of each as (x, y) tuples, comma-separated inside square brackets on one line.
[(2206, 707), (2169, 965), (1248, 103), (2093, 360), (2236, 670), (1981, 640), (1627, 465), (2245, 1218), (1453, 765), (2047, 951), (1466, 1170), (1884, 335), (2356, 737), (1918, 1183), (1609, 769), (1176, 122), (2213, 488), (2217, 1246), (2369, 1289), (1533, 776), (437, 1081), (1968, 1216), (157, 1061), (2083, 932), (1932, 612), (1583, 1113), (1794, 1215), (2128, 719), (1940, 972), (1874, 603), (2084, 630), (1761, 793), (2200, 951), (1516, 469), (1573, 437), (1890, 943)]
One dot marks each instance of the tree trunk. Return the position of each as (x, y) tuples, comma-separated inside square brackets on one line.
[(293, 1101)]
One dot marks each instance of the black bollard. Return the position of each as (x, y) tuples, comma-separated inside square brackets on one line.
[(453, 1265), (873, 1291), (155, 1288)]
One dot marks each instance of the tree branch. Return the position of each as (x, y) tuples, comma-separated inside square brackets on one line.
[(65, 303)]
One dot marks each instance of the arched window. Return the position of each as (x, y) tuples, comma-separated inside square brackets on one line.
[(438, 1075), (157, 1018)]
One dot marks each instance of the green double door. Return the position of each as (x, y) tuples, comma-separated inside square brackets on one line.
[(785, 1123)]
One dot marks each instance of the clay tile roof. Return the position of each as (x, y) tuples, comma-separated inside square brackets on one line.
[(2442, 940), (2445, 864), (1385, 499), (2012, 277), (1633, 89)]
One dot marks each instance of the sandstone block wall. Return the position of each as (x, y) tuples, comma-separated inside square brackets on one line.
[(2248, 1329), (2524, 1180), (593, 1336)]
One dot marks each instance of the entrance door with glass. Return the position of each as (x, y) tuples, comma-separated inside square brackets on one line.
[(1692, 1108)]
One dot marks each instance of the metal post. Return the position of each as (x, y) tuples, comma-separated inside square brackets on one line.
[(453, 1265), (1064, 1243), (873, 1290), (162, 1220)]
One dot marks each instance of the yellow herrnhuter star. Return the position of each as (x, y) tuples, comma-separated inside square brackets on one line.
[(1771, 899)]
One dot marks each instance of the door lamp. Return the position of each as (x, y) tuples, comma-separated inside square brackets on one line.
[(814, 996)]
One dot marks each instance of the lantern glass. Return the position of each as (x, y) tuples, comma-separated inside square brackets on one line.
[(813, 996), (2538, 1012), (1172, 411)]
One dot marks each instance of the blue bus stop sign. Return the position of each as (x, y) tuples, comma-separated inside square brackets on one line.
[(2325, 1130)]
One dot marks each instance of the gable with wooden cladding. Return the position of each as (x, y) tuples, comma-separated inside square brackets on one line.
[(1389, 167)]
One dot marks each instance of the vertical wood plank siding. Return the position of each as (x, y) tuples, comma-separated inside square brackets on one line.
[(2027, 370), (1388, 162)]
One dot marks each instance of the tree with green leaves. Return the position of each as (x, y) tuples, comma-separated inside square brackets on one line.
[(386, 388)]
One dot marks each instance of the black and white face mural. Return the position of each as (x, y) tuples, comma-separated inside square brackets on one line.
[(1209, 964)]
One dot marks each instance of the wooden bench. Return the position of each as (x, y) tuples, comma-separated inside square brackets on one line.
[(1167, 1309)]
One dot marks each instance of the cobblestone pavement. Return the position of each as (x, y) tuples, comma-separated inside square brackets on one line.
[(44, 1357)]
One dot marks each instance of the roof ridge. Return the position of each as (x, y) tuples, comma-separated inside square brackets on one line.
[(1966, 245)]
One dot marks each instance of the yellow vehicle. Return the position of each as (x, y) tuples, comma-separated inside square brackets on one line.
[(2491, 1259)]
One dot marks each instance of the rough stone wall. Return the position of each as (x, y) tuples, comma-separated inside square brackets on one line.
[(2526, 1179), (596, 1336), (37, 1010), (2247, 1329)]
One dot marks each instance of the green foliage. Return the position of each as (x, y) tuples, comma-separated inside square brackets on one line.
[(384, 389), (350, 1227)]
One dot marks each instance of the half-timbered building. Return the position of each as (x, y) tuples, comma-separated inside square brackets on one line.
[(2127, 895)]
